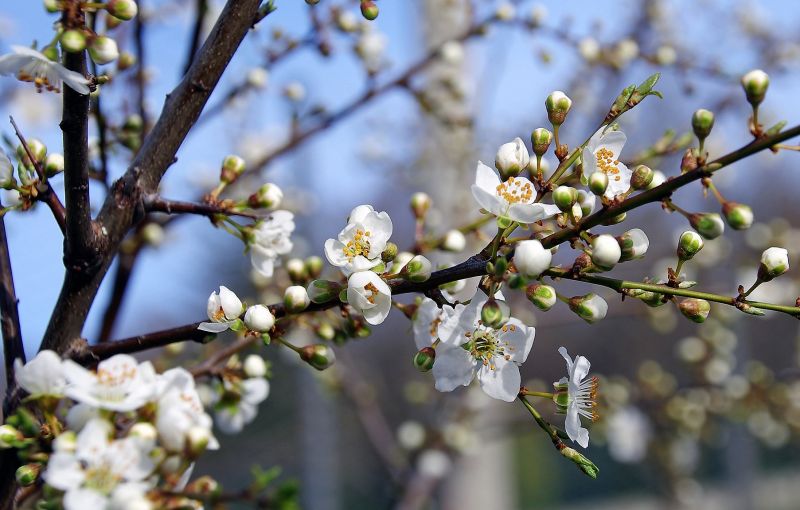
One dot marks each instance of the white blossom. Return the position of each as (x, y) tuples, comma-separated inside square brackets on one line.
[(513, 198), (581, 396), (29, 65), (258, 318), (602, 154), (512, 157), (120, 383), (371, 47), (427, 319), (179, 410), (223, 310), (605, 251), (240, 405), (359, 245), (271, 239), (454, 241), (369, 294), (42, 376), (469, 349), (531, 258)]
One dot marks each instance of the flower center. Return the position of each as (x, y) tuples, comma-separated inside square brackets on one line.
[(607, 163), (515, 190), (372, 292), (585, 397), (485, 344), (113, 383), (359, 245), (101, 479)]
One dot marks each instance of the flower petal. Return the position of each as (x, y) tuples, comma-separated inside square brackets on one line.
[(572, 424), (453, 367), (501, 381)]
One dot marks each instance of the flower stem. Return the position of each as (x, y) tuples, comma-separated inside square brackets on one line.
[(542, 394), (549, 429)]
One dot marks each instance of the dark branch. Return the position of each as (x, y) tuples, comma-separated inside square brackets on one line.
[(154, 203), (201, 8), (13, 347)]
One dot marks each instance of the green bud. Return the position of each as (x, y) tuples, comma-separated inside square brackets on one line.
[(755, 85), (543, 297), (689, 244), (541, 138), (52, 6), (738, 216), (296, 269), (204, 485), (634, 244), (651, 299), (314, 265), (688, 161), (319, 356), (495, 313), (696, 310), (326, 331), (322, 291), (389, 253), (584, 464), (232, 167), (122, 9), (27, 474), (641, 177), (418, 269), (424, 359), (500, 266), (73, 41), (516, 282), (619, 218), (126, 60), (9, 436), (268, 196), (708, 225), (598, 183), (774, 262), (558, 106), (702, 122), (369, 10), (565, 197), (103, 50), (134, 124), (420, 203), (37, 149), (590, 307), (296, 299)]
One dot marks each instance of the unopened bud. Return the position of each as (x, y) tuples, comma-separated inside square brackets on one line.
[(424, 359), (103, 50), (586, 201), (558, 105), (254, 366), (774, 262), (27, 474), (541, 138), (258, 318), (708, 225), (389, 252), (696, 310), (511, 158), (9, 436), (598, 183), (296, 299), (420, 203), (122, 9), (369, 10), (52, 6), (322, 291), (576, 211), (495, 313), (232, 167), (53, 164), (543, 297), (658, 179), (418, 269), (641, 177), (688, 161), (584, 464), (454, 241), (319, 356), (689, 244), (73, 41), (531, 258), (126, 60), (738, 216), (702, 122), (205, 485), (296, 269), (505, 11), (634, 244), (606, 251), (268, 196), (197, 439), (590, 307), (37, 149), (565, 197), (314, 265), (755, 85)]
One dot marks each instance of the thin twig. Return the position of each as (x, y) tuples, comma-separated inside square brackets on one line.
[(154, 203), (13, 347)]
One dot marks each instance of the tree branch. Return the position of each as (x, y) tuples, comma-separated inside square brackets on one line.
[(13, 347), (154, 203)]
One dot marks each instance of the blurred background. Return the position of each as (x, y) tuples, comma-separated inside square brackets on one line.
[(693, 416)]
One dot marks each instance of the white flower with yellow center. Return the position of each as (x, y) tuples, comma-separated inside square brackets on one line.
[(99, 468), (223, 310), (42, 376), (29, 65), (271, 239), (427, 319), (369, 295), (514, 198), (180, 410), (358, 247), (576, 396), (602, 155), (120, 383), (468, 349)]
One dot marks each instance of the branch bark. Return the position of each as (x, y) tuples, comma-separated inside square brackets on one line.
[(13, 347)]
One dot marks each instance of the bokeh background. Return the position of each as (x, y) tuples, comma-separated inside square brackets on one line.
[(713, 411)]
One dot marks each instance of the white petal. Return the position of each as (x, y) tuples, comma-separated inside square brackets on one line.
[(214, 327), (520, 340), (256, 390), (572, 424), (358, 213), (64, 471), (527, 213), (614, 141), (489, 201), (502, 382), (231, 304), (453, 367), (81, 499), (334, 253), (486, 178)]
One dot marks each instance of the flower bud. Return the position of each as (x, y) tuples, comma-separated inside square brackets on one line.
[(586, 201), (103, 50), (755, 85), (152, 234), (420, 203), (531, 258), (708, 225), (258, 318), (322, 291), (319, 356), (205, 485), (634, 244), (389, 252), (598, 183), (606, 251), (254, 366), (558, 105), (738, 216), (268, 196), (6, 172), (296, 299), (584, 464), (9, 436), (73, 41), (774, 262), (257, 78), (424, 359), (53, 164), (688, 161), (314, 265), (495, 313), (144, 432), (454, 241), (565, 197), (197, 439), (38, 151), (346, 21), (401, 260), (296, 269), (689, 244), (590, 307), (543, 297), (641, 177), (27, 474), (658, 179), (505, 11), (541, 138), (232, 167), (122, 9), (702, 122), (511, 158), (696, 310), (418, 269), (369, 10), (52, 6), (126, 60)]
